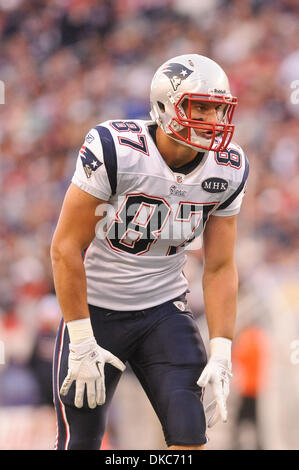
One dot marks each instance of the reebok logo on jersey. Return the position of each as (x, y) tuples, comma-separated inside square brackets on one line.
[(180, 305), (89, 138), (176, 74), (177, 192), (89, 161), (214, 185)]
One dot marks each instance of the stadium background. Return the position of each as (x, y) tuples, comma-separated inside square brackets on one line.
[(69, 64)]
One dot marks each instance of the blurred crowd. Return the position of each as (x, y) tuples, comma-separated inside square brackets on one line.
[(67, 65)]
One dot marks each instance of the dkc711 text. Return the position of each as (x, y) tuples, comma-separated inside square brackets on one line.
[(152, 459)]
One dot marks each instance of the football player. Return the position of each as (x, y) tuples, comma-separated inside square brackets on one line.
[(141, 192)]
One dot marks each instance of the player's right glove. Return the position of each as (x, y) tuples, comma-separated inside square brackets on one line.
[(86, 367)]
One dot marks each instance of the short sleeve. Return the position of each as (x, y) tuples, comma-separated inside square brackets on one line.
[(233, 204), (233, 208), (90, 173)]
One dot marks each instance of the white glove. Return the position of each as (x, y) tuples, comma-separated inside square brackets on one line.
[(86, 366), (217, 373)]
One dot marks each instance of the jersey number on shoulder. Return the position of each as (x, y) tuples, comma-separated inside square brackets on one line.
[(131, 126), (229, 158)]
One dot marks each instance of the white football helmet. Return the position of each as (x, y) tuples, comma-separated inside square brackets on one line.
[(192, 77)]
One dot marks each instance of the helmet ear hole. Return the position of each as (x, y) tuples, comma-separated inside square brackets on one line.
[(161, 106)]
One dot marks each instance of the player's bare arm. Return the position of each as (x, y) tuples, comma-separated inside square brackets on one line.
[(220, 287), (75, 230), (220, 277)]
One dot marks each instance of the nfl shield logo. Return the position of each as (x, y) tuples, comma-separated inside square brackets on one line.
[(180, 305)]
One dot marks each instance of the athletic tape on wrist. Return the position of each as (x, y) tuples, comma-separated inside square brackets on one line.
[(80, 330), (221, 347)]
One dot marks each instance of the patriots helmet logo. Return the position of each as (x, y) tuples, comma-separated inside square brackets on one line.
[(89, 161), (176, 74)]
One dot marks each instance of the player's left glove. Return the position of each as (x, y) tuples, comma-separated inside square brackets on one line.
[(218, 373)]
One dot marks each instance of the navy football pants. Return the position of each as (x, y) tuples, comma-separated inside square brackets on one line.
[(164, 348)]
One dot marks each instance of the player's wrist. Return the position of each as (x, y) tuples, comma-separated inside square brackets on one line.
[(221, 347), (80, 330)]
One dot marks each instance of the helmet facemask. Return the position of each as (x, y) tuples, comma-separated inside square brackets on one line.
[(190, 131)]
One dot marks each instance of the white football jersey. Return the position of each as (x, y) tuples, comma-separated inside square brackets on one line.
[(153, 212)]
